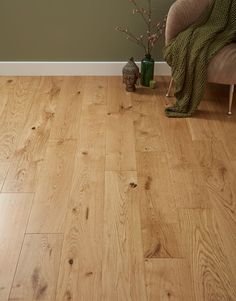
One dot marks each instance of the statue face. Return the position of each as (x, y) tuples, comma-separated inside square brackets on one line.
[(129, 79)]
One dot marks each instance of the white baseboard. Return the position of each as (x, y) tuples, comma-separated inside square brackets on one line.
[(70, 68)]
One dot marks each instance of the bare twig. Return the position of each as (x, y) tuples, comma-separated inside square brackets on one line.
[(153, 32)]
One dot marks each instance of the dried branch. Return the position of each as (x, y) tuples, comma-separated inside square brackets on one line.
[(154, 29), (129, 36)]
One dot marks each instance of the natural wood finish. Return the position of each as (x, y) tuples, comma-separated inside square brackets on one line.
[(120, 139), (122, 246), (4, 167), (104, 198), (219, 174), (155, 187), (119, 100), (188, 185), (203, 247), (29, 153), (38, 266), (52, 193), (90, 154), (169, 279), (17, 97), (120, 143), (68, 109), (81, 260), (14, 214), (148, 133)]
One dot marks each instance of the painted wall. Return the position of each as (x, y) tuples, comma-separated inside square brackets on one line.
[(71, 30)]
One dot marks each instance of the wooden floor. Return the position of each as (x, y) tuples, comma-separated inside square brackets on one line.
[(104, 198)]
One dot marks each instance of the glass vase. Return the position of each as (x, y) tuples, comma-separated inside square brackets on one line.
[(147, 70)]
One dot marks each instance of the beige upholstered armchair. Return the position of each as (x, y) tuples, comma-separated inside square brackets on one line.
[(222, 68)]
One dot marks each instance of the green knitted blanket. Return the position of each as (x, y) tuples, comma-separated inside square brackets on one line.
[(191, 51)]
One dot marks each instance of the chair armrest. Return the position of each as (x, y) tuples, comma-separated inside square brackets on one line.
[(182, 14)]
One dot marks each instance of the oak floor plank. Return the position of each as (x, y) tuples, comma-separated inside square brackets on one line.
[(14, 114), (227, 124), (52, 193), (120, 140), (19, 93), (119, 101), (220, 177), (148, 134), (14, 214), (30, 150), (210, 126), (226, 227), (68, 110), (168, 279), (92, 134), (134, 205), (80, 275), (188, 185), (9, 136), (155, 187), (96, 90), (38, 267), (92, 142), (159, 217), (123, 267), (6, 84), (120, 143), (203, 247), (3, 173)]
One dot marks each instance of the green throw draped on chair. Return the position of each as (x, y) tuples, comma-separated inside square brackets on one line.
[(191, 51)]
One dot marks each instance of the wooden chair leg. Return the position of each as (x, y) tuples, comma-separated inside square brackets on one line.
[(168, 94), (231, 95)]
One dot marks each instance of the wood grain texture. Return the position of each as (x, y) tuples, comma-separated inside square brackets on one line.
[(219, 174), (119, 100), (219, 177), (155, 187), (18, 96), (31, 147), (203, 247), (4, 167), (14, 214), (188, 185), (92, 134), (38, 267), (19, 93), (120, 143), (112, 200), (68, 109), (169, 279), (52, 194), (210, 126), (81, 262), (123, 268), (120, 138), (80, 275), (148, 133)]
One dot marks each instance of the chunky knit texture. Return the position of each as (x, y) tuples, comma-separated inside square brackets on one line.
[(191, 51)]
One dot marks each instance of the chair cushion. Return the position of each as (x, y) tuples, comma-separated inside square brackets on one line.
[(222, 68), (182, 14)]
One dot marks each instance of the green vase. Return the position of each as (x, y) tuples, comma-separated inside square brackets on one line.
[(147, 70)]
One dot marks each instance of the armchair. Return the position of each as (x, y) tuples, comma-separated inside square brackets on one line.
[(222, 68)]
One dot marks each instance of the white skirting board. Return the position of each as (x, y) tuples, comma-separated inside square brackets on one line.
[(71, 68)]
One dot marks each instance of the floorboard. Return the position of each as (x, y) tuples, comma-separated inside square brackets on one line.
[(102, 197)]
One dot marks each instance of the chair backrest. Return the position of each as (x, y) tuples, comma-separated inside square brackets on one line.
[(182, 14)]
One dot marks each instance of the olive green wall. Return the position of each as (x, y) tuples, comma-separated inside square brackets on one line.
[(71, 30)]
